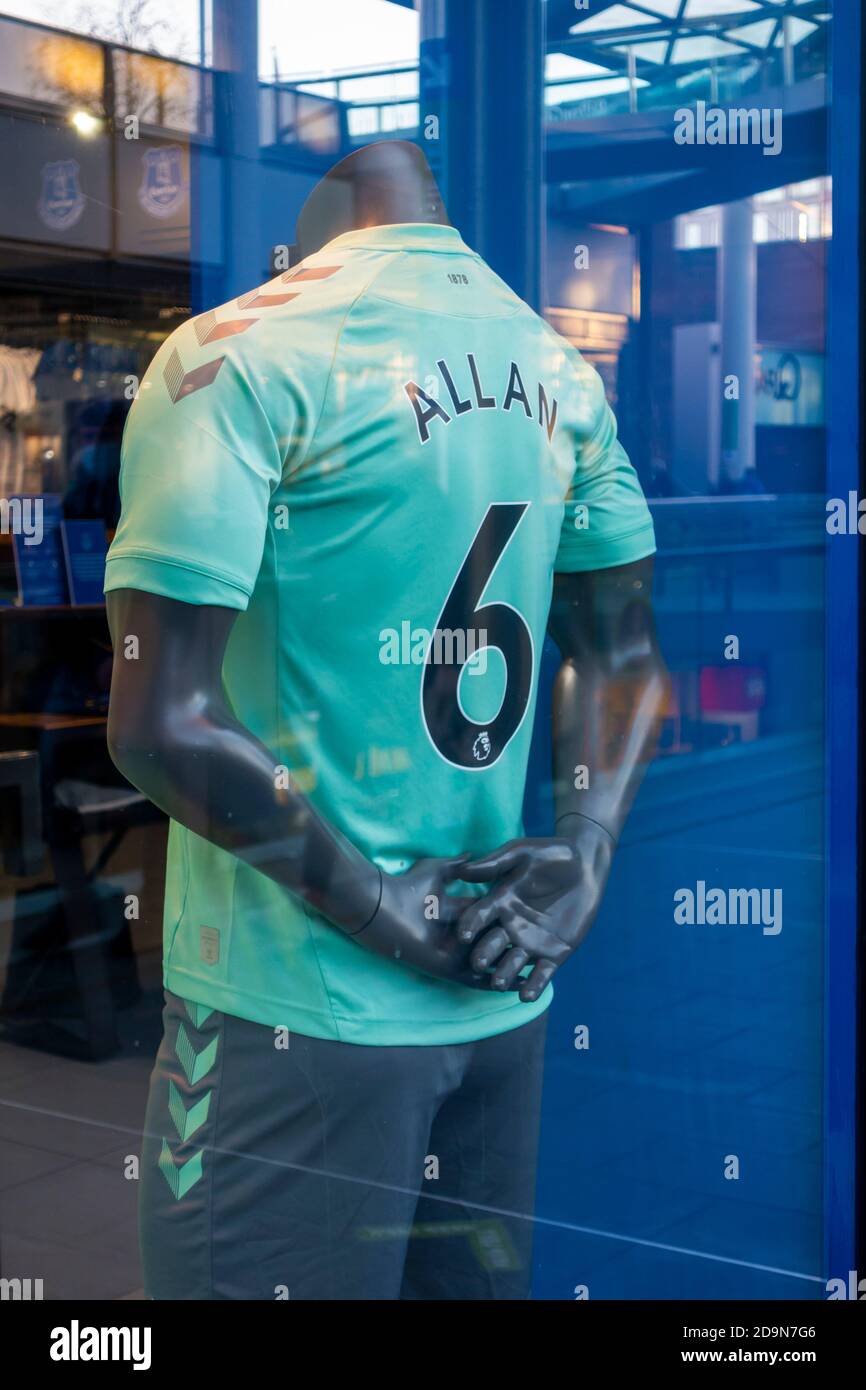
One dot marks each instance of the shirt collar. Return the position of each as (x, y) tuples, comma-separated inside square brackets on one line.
[(403, 236)]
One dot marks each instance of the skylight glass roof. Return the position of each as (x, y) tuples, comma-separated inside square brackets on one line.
[(708, 9), (655, 51), (617, 17), (669, 42), (702, 46), (562, 65), (759, 34), (797, 29), (669, 8)]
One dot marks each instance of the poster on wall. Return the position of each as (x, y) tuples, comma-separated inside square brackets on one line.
[(84, 551), (37, 548), (789, 387)]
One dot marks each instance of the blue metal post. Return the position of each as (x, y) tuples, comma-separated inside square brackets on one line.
[(235, 58), (843, 600), (495, 175)]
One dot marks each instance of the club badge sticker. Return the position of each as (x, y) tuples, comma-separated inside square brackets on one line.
[(163, 188), (61, 201)]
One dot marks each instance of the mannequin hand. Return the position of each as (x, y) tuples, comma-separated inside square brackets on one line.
[(542, 906), (416, 923)]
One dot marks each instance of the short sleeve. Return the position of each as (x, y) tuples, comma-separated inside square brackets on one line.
[(199, 462), (607, 521)]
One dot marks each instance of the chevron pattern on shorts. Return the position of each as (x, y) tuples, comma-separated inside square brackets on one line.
[(181, 1177), (196, 1065), (186, 1122), (198, 1013)]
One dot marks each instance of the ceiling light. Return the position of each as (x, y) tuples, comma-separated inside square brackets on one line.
[(85, 123)]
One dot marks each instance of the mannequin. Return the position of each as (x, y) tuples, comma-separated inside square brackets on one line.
[(378, 913), (174, 737)]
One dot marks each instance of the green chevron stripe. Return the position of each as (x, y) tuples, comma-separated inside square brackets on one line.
[(187, 1121), (195, 1065), (180, 1177), (199, 1013)]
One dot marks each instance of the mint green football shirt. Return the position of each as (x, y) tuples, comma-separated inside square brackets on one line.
[(379, 458)]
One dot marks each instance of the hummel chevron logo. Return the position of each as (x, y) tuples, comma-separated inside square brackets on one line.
[(199, 1013), (208, 328), (187, 1121), (256, 300), (195, 1065), (309, 272), (180, 383), (181, 1177)]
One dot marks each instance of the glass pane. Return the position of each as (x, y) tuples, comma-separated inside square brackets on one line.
[(333, 420), (165, 95), (706, 318)]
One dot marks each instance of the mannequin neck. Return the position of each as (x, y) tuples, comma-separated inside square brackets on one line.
[(380, 185)]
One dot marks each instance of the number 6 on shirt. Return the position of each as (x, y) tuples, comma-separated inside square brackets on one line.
[(457, 738)]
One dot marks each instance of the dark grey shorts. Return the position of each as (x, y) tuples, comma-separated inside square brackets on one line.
[(327, 1170)]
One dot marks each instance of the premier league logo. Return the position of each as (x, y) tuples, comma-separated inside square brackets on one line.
[(162, 188), (61, 201), (481, 747)]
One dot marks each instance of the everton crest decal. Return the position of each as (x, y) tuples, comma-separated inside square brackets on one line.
[(162, 189), (61, 201)]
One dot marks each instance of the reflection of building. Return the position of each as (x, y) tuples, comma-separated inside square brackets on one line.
[(94, 247), (119, 164), (127, 162), (716, 289)]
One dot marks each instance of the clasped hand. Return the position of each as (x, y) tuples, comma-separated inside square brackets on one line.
[(543, 898)]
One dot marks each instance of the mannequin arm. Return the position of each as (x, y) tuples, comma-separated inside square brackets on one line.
[(172, 733), (609, 696), (608, 701)]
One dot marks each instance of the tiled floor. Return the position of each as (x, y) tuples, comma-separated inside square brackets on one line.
[(67, 1132)]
